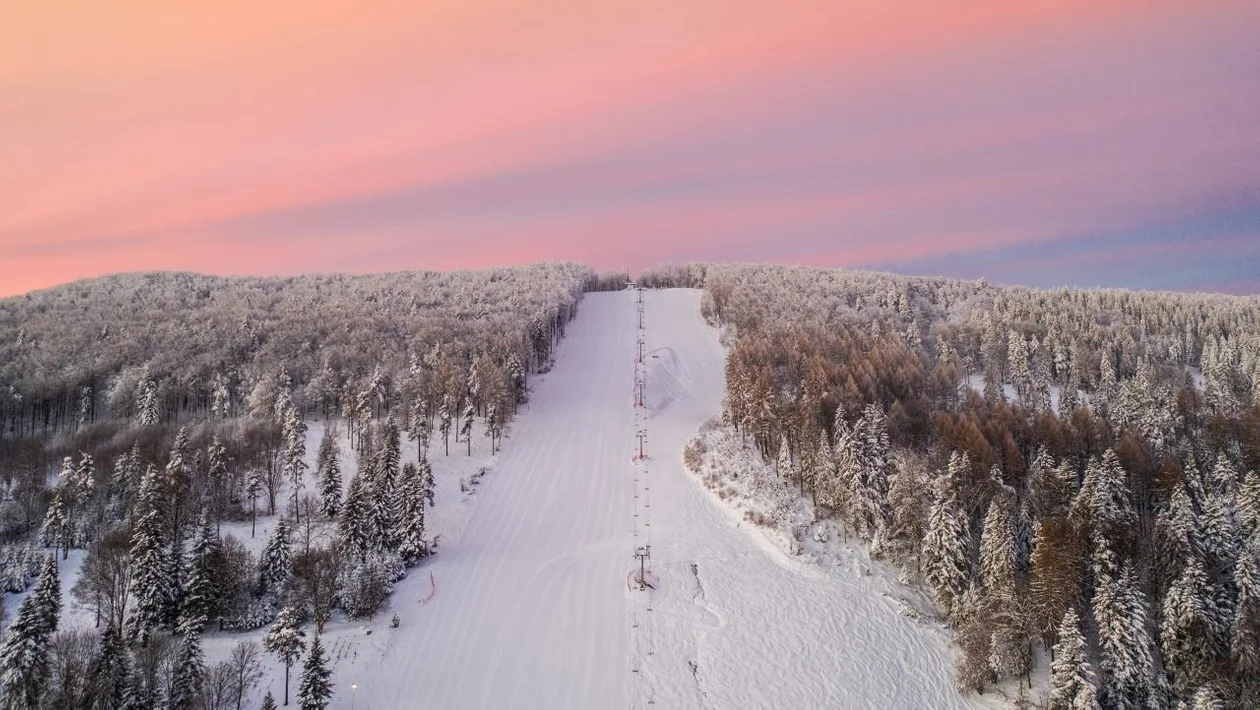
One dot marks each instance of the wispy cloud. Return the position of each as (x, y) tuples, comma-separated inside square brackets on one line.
[(228, 138)]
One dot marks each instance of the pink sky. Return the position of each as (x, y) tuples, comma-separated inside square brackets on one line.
[(275, 138)]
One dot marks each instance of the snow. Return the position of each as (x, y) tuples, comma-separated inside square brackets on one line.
[(530, 601)]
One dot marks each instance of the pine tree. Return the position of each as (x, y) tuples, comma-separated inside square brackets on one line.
[(1245, 629), (411, 545), (1189, 628), (217, 473), (285, 640), (946, 557), (466, 430), (24, 658), (315, 689), (151, 583), (997, 550), (329, 469), (869, 483), (354, 526), (427, 483), (57, 532), (294, 453), (1073, 685), (269, 701), (783, 464), (253, 486), (420, 429), (201, 591), (1207, 697), (109, 675), (382, 486), (910, 500), (444, 421), (275, 565), (190, 670), (1125, 648), (47, 594), (1248, 506)]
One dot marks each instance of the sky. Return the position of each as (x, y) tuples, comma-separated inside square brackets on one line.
[(1103, 143)]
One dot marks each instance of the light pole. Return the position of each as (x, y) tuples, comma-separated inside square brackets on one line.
[(353, 688)]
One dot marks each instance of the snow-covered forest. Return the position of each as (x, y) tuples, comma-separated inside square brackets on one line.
[(1071, 471), (154, 438)]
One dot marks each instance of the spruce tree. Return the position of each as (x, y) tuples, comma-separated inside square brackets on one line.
[(47, 594), (466, 430), (419, 429), (1248, 508), (24, 658), (269, 701), (1125, 648), (411, 543), (315, 688), (253, 486), (217, 473), (997, 549), (150, 581), (946, 557), (285, 640), (427, 484), (190, 670), (444, 421), (294, 453), (869, 482), (201, 592), (1189, 628), (1245, 628), (354, 526), (783, 464), (56, 532), (1073, 685), (329, 470), (275, 564), (109, 675)]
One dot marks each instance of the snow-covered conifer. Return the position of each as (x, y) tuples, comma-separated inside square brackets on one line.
[(1125, 647), (285, 639), (354, 526), (56, 532), (783, 463), (465, 431), (1073, 684), (202, 589), (411, 543), (427, 483), (189, 672), (1245, 629), (997, 549), (275, 565), (24, 658), (946, 557), (1190, 627), (151, 583), (869, 488), (315, 688), (294, 453), (47, 594), (329, 468), (109, 674), (444, 421)]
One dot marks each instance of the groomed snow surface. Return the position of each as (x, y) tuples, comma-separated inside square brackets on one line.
[(530, 601)]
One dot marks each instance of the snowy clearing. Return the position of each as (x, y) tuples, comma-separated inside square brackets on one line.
[(531, 600)]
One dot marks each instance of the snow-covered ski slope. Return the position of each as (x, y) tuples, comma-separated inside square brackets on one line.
[(533, 608)]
